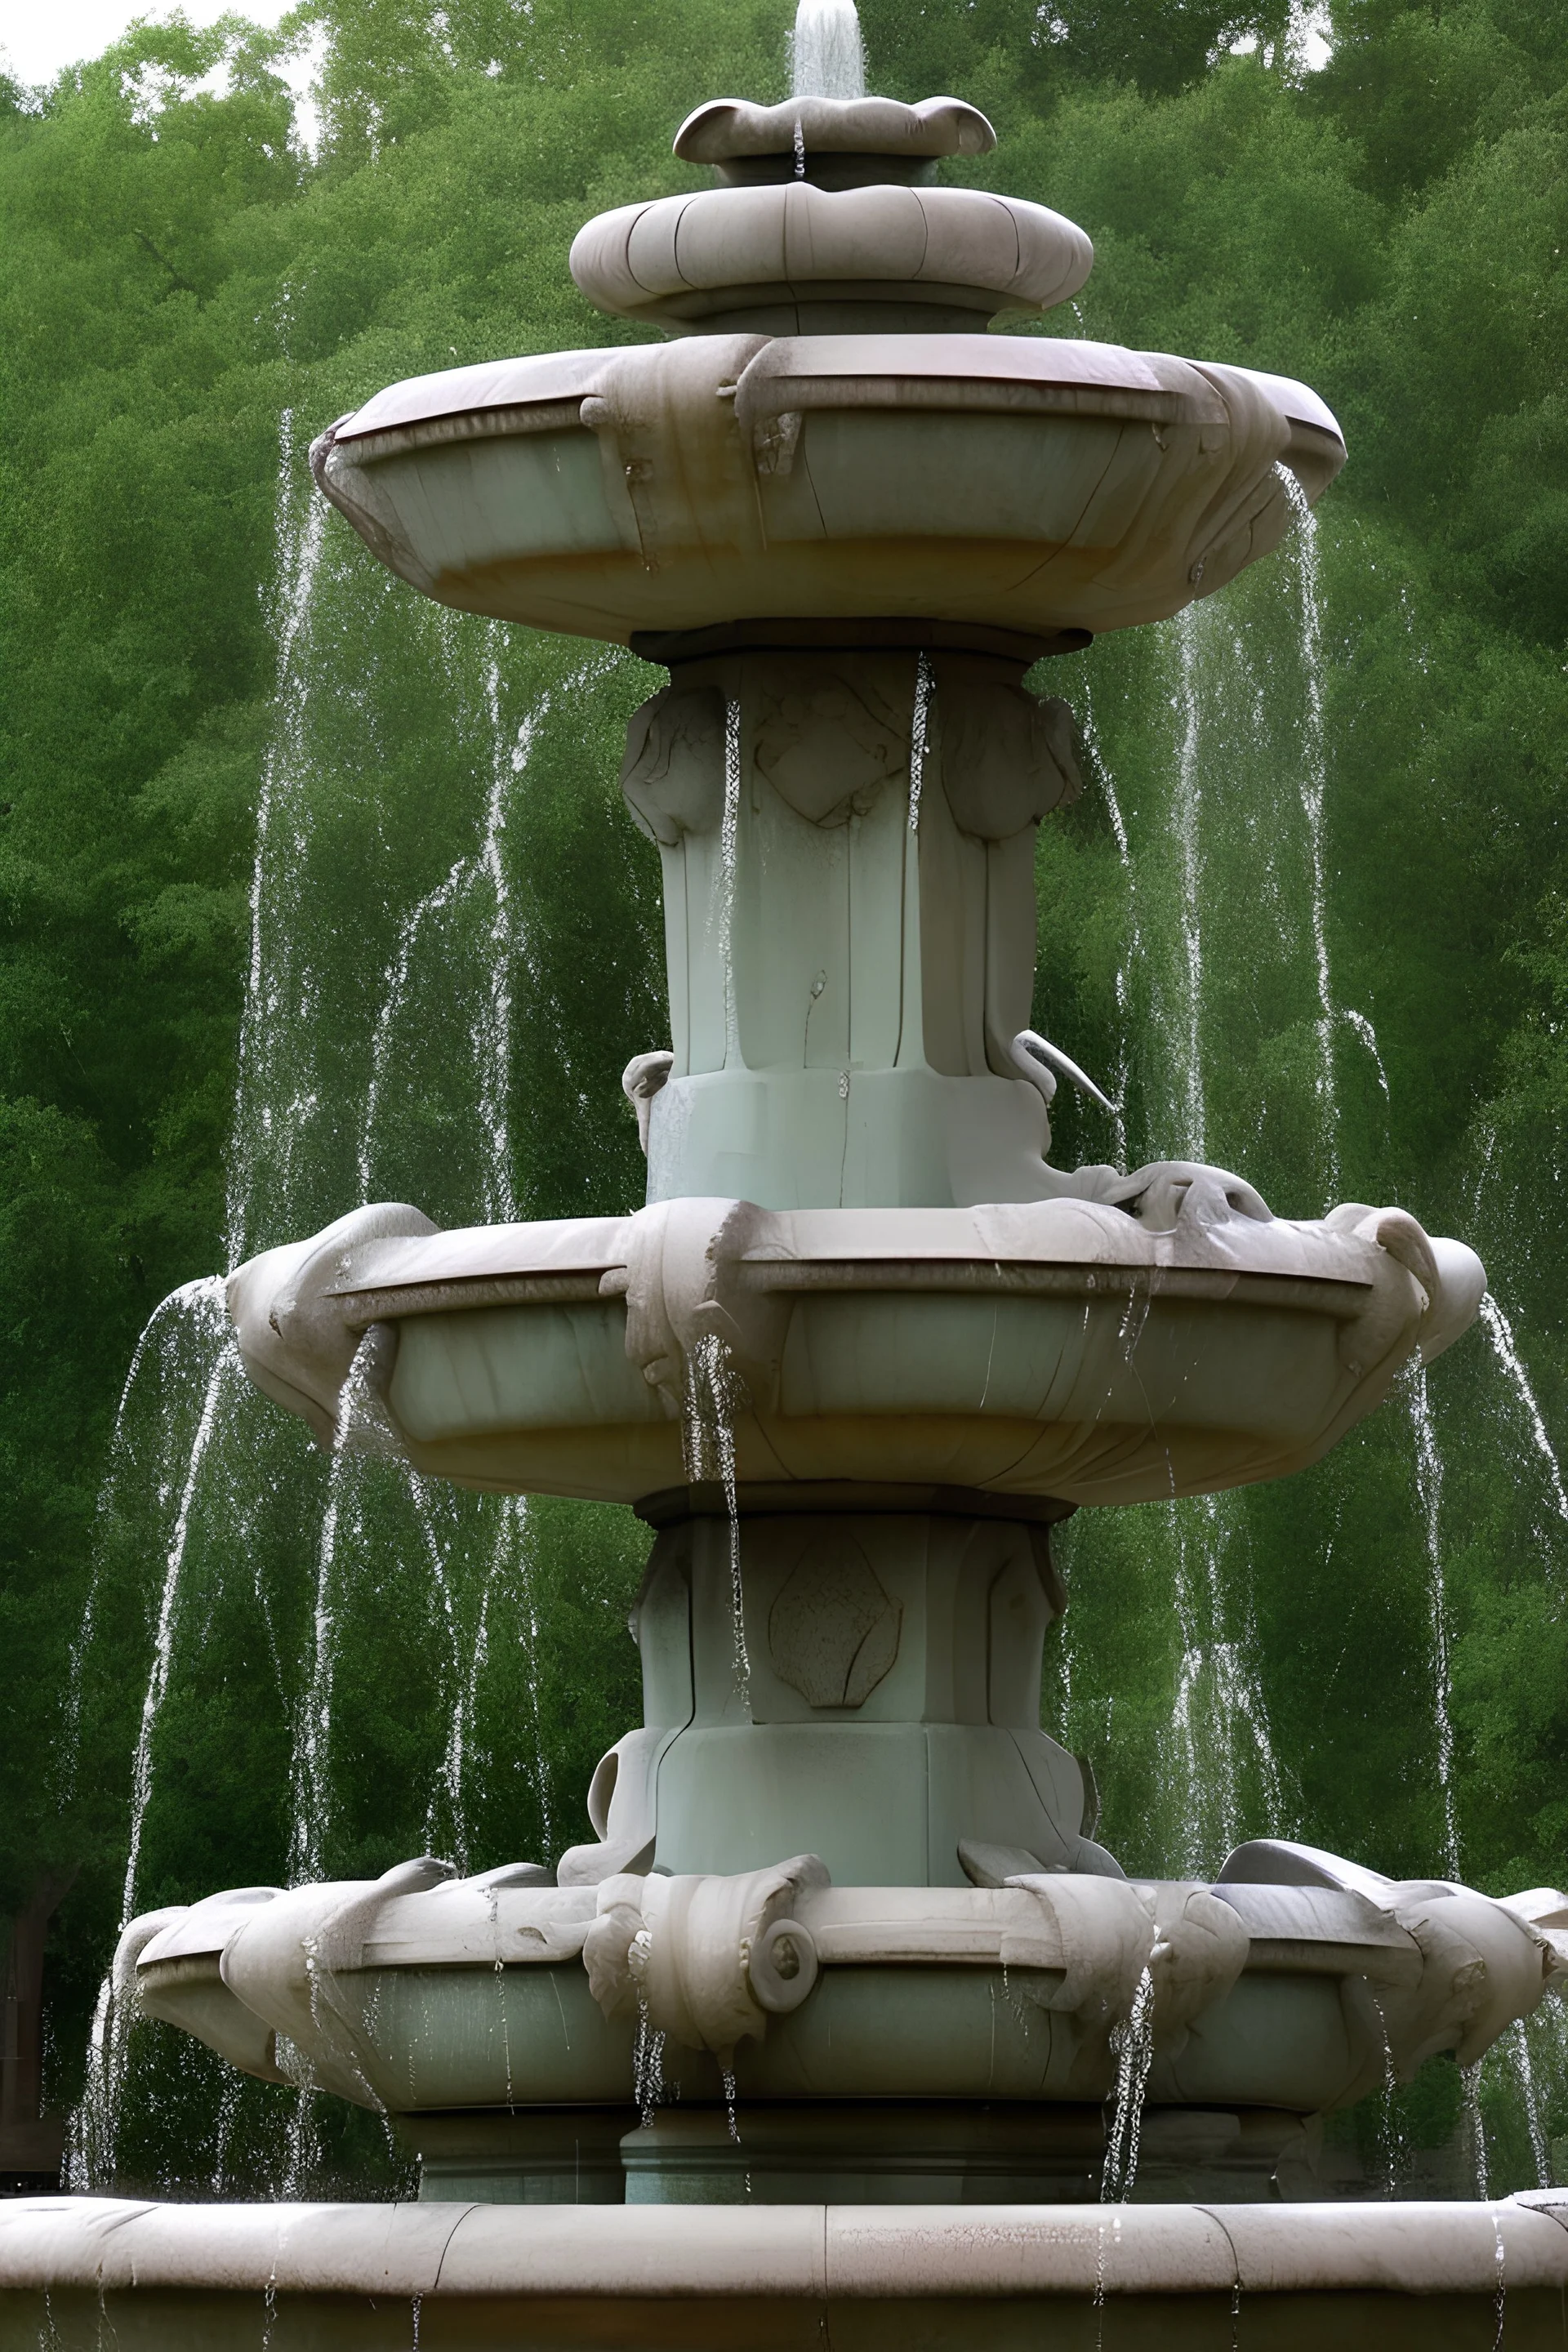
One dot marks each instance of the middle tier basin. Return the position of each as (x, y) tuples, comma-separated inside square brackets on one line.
[(1058, 1348)]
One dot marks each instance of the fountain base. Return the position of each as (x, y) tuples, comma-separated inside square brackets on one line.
[(75, 2271)]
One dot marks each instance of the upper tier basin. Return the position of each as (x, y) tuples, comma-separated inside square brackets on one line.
[(1035, 485)]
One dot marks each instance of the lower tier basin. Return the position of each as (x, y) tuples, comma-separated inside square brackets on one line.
[(677, 2019), (499, 2040)]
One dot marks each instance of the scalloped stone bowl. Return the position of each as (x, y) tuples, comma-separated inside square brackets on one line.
[(1056, 1349), (1039, 486)]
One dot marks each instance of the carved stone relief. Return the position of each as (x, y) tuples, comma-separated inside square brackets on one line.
[(828, 735), (1007, 758), (832, 1631), (673, 772)]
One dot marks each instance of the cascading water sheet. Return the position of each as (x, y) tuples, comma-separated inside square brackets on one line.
[(219, 1506)]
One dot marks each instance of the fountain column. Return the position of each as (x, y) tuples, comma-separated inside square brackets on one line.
[(889, 1650), (848, 837)]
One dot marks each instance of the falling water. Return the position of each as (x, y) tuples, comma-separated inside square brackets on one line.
[(464, 1680), (826, 53), (918, 726), (647, 2066), (1187, 809), (309, 1775), (189, 1341), (93, 2131), (482, 866), (1513, 2093), (1132, 946), (465, 1672), (1391, 2134), (179, 1318), (244, 1515), (1475, 2127), (269, 1106), (214, 1312), (1429, 1492), (515, 1525), (1219, 1727), (729, 848), (1524, 2070), (188, 1337), (1219, 1718), (1133, 2043), (1217, 1776), (1500, 1331), (714, 1398), (1363, 1029), (476, 879), (1314, 786)]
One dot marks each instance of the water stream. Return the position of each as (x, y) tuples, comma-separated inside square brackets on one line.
[(715, 1396), (1500, 1331), (215, 1511), (1133, 2044), (1429, 1494), (826, 51), (1302, 550)]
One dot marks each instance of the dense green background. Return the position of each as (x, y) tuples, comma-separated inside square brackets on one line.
[(176, 274)]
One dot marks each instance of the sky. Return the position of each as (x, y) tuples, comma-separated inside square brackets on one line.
[(39, 36)]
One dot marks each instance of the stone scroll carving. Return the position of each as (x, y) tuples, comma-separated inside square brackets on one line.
[(1007, 758), (709, 1958)]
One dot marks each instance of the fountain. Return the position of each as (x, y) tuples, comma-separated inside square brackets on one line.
[(844, 1939)]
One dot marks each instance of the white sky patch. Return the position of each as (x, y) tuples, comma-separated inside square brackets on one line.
[(1309, 38), (39, 38)]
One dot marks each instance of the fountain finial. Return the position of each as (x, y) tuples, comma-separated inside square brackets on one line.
[(826, 49)]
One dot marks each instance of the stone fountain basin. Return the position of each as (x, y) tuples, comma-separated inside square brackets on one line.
[(1058, 1349), (976, 2277), (474, 1995), (1034, 483), (446, 2039)]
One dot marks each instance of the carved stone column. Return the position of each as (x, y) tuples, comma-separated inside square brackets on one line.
[(847, 839), (883, 1712)]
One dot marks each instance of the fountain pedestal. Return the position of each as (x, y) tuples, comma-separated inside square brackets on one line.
[(874, 1700), (848, 838)]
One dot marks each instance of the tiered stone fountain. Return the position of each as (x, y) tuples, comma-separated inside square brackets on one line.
[(845, 1930)]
